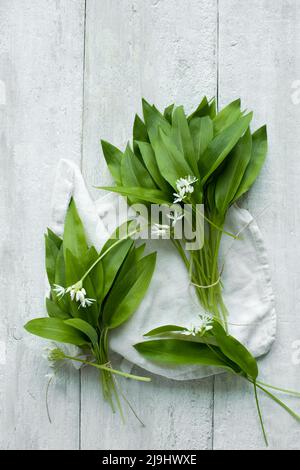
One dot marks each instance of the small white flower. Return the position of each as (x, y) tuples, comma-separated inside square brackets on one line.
[(60, 291), (179, 196), (191, 330), (204, 325), (78, 293), (55, 355), (206, 321), (160, 230), (184, 187), (86, 302), (175, 217)]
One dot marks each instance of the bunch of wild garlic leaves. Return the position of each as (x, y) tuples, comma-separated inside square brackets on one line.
[(91, 294), (208, 158)]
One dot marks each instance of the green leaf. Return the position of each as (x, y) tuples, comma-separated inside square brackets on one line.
[(60, 279), (182, 352), (54, 310), (113, 261), (126, 295), (201, 111), (132, 257), (74, 271), (221, 146), (165, 329), (134, 173), (51, 252), (182, 136), (57, 240), (149, 159), (74, 237), (85, 328), (140, 130), (113, 157), (60, 276), (258, 156), (154, 121), (231, 176), (202, 134), (235, 351), (56, 330), (140, 194), (227, 116), (212, 108), (97, 274), (171, 162), (91, 313), (74, 268), (168, 113)]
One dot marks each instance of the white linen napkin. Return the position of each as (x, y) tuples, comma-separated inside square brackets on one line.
[(170, 299)]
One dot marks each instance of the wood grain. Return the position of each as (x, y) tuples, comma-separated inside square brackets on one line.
[(41, 56), (74, 71), (259, 61), (164, 51)]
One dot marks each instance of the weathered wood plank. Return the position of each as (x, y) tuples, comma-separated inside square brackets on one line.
[(259, 61), (41, 59), (164, 51)]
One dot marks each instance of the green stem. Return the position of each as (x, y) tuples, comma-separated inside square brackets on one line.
[(283, 390), (109, 249), (109, 369), (214, 225), (280, 403), (260, 415)]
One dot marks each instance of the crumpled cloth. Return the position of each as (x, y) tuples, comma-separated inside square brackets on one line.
[(247, 292)]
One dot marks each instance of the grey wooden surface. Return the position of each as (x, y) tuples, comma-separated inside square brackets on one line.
[(72, 71)]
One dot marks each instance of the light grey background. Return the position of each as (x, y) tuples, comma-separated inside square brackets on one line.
[(73, 71)]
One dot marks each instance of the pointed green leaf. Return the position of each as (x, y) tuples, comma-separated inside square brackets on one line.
[(258, 156), (54, 310), (56, 330), (230, 178), (126, 295), (112, 262), (235, 351), (57, 240), (220, 146), (182, 352), (165, 329), (149, 159), (96, 275), (90, 313), (134, 173), (140, 130), (51, 253), (140, 194), (182, 136), (74, 237), (154, 120), (202, 134), (227, 116), (168, 113), (171, 162), (113, 157), (201, 111), (85, 328)]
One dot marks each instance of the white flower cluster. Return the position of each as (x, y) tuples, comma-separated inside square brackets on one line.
[(175, 217), (184, 187), (77, 292), (204, 325), (158, 230), (56, 357)]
